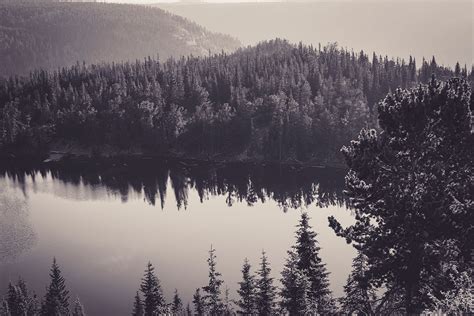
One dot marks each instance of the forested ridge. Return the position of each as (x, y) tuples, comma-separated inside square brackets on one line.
[(275, 101), (52, 34)]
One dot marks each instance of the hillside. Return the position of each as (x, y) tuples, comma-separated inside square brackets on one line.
[(273, 102), (50, 35), (427, 28)]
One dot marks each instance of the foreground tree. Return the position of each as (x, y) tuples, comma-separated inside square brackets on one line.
[(137, 306), (411, 189), (177, 305), (78, 308), (359, 296), (295, 289), (56, 300), (213, 289), (265, 290), (153, 299), (198, 302), (19, 301), (246, 291)]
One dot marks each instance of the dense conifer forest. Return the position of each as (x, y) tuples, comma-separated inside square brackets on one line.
[(275, 101), (52, 34)]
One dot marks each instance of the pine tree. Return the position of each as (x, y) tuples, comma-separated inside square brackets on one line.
[(246, 291), (177, 305), (199, 303), (153, 300), (56, 300), (359, 296), (311, 265), (137, 306), (213, 289), (78, 308), (189, 312), (295, 287), (265, 290), (411, 188)]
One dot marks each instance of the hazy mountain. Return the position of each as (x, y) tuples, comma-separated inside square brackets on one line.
[(395, 28), (49, 35)]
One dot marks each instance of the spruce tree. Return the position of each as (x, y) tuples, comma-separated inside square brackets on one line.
[(309, 262), (153, 299), (359, 296), (177, 305), (56, 300), (265, 290), (213, 289), (189, 312), (246, 291), (199, 304), (78, 308), (137, 306), (295, 286)]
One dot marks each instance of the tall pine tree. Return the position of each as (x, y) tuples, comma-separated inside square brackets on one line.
[(56, 300), (246, 291), (213, 289), (265, 290), (153, 299)]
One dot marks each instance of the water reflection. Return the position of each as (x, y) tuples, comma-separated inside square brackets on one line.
[(16, 233), (289, 186)]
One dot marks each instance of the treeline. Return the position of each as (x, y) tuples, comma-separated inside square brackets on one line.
[(274, 101), (53, 34), (304, 290)]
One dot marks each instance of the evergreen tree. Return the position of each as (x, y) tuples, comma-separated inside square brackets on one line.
[(78, 308), (56, 300), (137, 306), (189, 312), (359, 296), (265, 290), (213, 289), (410, 186), (177, 305), (295, 288), (199, 303), (309, 263), (153, 299), (19, 301), (246, 291)]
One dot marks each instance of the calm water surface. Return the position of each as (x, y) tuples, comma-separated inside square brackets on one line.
[(104, 222)]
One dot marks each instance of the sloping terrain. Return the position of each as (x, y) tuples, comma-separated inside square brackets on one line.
[(50, 35)]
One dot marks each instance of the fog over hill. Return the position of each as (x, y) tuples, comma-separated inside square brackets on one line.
[(394, 28), (45, 34)]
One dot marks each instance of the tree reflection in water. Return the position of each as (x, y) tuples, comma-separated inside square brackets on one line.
[(289, 186)]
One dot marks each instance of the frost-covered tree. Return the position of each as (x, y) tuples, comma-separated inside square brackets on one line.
[(19, 301), (177, 304), (199, 304), (137, 306), (153, 299), (56, 300), (295, 286), (213, 289), (410, 186), (265, 290), (78, 308), (310, 264), (359, 296), (246, 291)]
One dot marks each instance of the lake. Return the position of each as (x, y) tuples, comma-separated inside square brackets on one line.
[(104, 221)]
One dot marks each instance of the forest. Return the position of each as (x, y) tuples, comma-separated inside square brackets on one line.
[(275, 101), (410, 187), (54, 34)]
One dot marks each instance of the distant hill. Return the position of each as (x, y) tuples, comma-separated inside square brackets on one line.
[(38, 34), (395, 28)]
